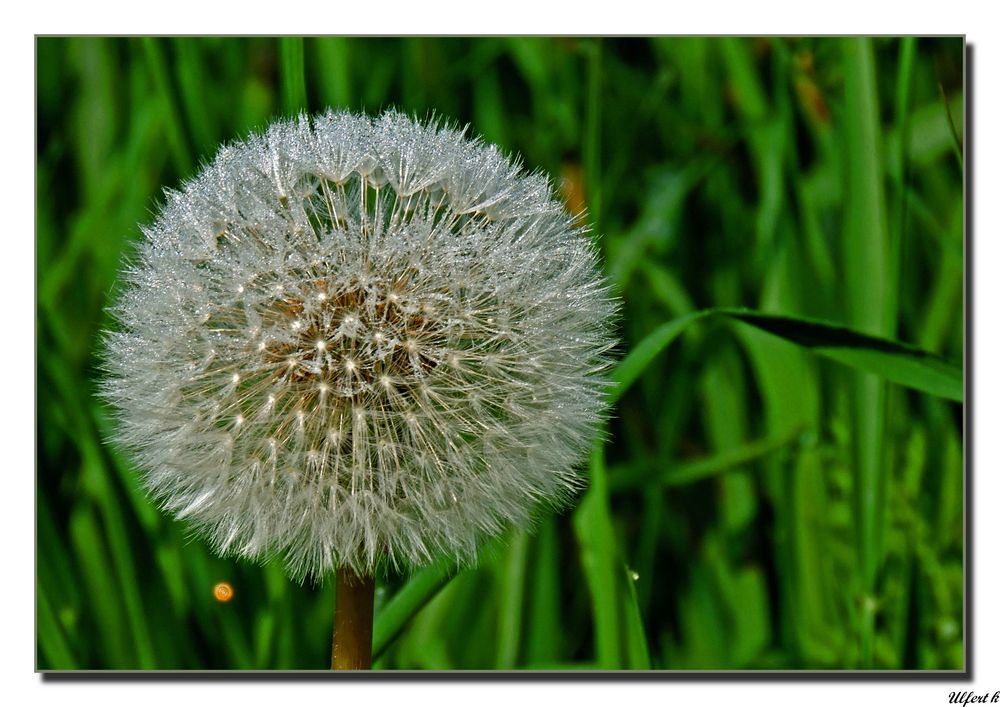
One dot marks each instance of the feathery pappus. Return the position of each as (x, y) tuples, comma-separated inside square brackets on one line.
[(351, 340)]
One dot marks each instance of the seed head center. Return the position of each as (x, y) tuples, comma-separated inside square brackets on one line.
[(348, 341)]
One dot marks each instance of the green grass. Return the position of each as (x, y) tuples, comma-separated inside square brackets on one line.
[(781, 483)]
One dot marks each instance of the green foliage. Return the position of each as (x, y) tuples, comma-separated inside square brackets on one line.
[(781, 483)]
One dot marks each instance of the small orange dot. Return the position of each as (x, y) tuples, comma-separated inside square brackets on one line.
[(223, 592)]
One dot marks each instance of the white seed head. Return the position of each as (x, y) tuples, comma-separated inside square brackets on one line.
[(353, 339)]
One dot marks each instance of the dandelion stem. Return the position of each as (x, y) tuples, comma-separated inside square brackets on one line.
[(352, 621)]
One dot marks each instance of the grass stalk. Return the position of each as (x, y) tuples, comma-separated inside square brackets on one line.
[(293, 75), (180, 148), (866, 273)]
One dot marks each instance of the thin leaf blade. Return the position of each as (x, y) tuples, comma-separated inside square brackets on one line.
[(892, 360)]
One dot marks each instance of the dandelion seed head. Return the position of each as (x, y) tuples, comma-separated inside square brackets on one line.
[(351, 338)]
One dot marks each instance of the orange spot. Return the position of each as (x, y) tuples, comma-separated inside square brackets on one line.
[(223, 592)]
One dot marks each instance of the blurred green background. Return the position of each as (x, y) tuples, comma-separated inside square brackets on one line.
[(754, 505)]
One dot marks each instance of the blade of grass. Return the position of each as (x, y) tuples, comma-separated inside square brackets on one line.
[(420, 589), (512, 589), (95, 121), (630, 368), (293, 76), (94, 477), (333, 66), (464, 601), (890, 360), (413, 67), (900, 162), (725, 415), (636, 648), (701, 627), (647, 546), (202, 122), (764, 133), (659, 226), (665, 287), (543, 630), (488, 107), (592, 146), (594, 531), (103, 606), (173, 121), (55, 565), (898, 172), (124, 566), (789, 388), (682, 473), (53, 649), (263, 640), (741, 593), (956, 141), (866, 275)]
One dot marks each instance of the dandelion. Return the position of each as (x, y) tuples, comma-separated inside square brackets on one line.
[(350, 341)]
